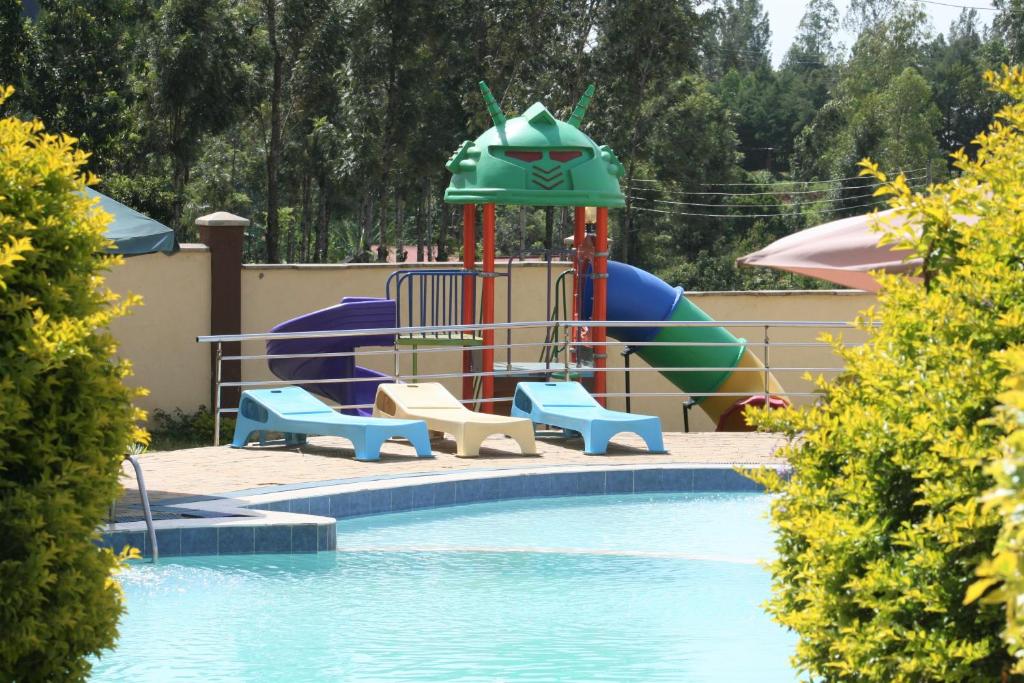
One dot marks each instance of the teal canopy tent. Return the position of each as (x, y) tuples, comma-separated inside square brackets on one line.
[(131, 232)]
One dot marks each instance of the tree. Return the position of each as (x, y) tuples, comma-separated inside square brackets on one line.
[(907, 120), (198, 81), (738, 38), (880, 107), (953, 68), (642, 47), (81, 80), (1008, 28), (17, 57), (270, 8), (66, 419)]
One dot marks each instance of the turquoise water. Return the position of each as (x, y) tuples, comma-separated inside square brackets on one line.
[(659, 587)]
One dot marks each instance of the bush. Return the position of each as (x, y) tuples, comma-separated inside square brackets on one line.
[(65, 417), (880, 527), (1003, 573), (178, 429)]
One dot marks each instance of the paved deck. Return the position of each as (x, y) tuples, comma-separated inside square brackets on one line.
[(220, 470)]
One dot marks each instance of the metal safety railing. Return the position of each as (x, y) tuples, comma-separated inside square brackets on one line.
[(554, 336)]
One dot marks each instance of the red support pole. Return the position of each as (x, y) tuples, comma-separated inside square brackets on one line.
[(487, 307), (577, 264), (468, 290), (600, 303)]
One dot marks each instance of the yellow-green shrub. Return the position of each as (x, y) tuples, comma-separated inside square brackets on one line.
[(880, 527), (65, 417), (1002, 576)]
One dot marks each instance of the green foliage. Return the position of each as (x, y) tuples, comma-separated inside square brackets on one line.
[(1002, 573), (880, 527), (65, 416), (178, 429), (176, 101)]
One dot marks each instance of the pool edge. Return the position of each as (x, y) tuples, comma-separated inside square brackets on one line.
[(288, 519)]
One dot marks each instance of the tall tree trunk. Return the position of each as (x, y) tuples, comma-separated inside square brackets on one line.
[(179, 176), (627, 219), (307, 191), (180, 180), (382, 234), (549, 227), (522, 229), (420, 209), (367, 225), (274, 150), (399, 223), (442, 231), (428, 210), (320, 251)]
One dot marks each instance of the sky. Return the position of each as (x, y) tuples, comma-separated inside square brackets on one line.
[(784, 17)]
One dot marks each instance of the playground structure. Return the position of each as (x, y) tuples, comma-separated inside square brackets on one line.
[(535, 160)]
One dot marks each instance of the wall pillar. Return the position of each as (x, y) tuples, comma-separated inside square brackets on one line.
[(223, 233)]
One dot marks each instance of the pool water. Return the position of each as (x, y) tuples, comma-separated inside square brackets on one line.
[(636, 587)]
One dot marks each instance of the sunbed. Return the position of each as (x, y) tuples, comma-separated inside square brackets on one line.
[(444, 414), (297, 413), (569, 406)]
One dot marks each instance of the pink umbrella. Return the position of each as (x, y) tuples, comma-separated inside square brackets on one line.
[(842, 251)]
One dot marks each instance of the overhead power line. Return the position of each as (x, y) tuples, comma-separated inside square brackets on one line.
[(771, 193), (950, 4), (810, 202), (891, 174), (752, 215)]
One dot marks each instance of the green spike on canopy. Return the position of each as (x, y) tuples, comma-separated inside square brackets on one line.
[(534, 159), (581, 107), (493, 108)]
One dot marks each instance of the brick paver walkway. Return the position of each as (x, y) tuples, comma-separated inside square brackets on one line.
[(218, 470)]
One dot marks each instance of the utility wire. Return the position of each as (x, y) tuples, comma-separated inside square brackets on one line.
[(786, 182), (755, 206), (687, 193), (752, 215), (983, 9)]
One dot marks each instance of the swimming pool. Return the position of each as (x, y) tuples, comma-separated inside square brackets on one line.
[(631, 587)]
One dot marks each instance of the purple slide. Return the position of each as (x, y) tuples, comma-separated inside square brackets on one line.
[(353, 313)]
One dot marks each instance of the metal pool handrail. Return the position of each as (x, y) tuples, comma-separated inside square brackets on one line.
[(565, 367)]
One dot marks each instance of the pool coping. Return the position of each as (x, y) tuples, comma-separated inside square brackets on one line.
[(302, 518)]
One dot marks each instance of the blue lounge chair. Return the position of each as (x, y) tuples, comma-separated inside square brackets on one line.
[(569, 406), (297, 413)]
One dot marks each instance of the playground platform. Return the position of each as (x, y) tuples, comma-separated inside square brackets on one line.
[(217, 470)]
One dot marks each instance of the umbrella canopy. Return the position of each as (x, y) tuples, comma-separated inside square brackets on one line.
[(131, 232), (843, 252)]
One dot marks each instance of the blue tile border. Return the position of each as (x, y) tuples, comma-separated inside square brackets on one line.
[(404, 493)]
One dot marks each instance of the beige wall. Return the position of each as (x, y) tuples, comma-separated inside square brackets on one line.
[(159, 338)]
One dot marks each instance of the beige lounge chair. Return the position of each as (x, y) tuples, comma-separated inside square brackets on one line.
[(444, 414)]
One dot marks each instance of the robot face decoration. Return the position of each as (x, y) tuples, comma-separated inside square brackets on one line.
[(535, 159), (547, 169)]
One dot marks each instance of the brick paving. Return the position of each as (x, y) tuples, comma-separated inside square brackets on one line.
[(212, 471)]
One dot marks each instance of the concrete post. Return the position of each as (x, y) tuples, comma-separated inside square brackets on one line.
[(223, 233)]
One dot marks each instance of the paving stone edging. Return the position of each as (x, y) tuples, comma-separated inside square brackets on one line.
[(303, 520)]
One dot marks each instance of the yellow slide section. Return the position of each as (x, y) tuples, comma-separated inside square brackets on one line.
[(747, 379), (442, 412)]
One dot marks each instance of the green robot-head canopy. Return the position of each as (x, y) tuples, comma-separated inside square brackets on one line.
[(535, 159)]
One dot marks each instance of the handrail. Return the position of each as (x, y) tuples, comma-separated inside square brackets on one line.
[(146, 511), (332, 334), (556, 338)]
